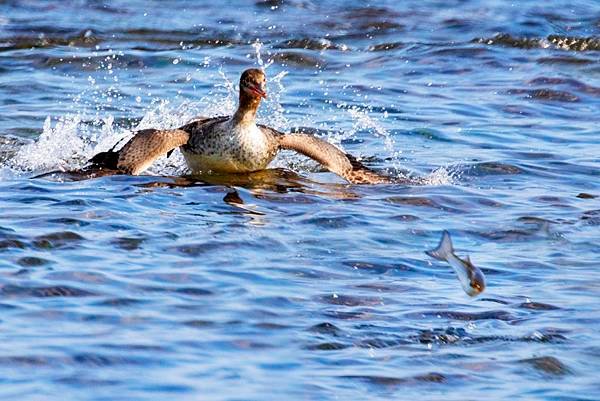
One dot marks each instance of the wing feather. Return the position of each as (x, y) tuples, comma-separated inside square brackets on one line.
[(147, 146), (331, 157)]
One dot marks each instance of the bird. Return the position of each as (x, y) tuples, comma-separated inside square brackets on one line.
[(232, 144)]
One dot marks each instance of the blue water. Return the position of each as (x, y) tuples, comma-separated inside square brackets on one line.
[(290, 283)]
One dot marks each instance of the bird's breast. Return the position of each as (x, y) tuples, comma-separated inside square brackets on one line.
[(229, 149)]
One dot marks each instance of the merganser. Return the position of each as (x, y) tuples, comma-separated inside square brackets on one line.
[(235, 144)]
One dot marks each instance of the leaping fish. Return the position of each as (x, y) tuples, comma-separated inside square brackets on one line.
[(470, 277)]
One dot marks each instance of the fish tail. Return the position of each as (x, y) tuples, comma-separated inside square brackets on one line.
[(444, 249)]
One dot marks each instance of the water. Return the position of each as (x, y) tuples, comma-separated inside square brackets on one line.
[(290, 283)]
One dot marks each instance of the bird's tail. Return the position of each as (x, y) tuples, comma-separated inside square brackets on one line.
[(104, 160)]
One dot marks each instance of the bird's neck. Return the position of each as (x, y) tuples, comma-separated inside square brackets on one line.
[(246, 112)]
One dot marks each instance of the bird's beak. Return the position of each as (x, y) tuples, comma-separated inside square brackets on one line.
[(258, 90)]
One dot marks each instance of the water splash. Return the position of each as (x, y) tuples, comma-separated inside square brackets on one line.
[(274, 113), (362, 121), (257, 45), (57, 148), (441, 176)]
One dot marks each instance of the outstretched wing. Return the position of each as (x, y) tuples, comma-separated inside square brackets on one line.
[(147, 146), (141, 150), (331, 157)]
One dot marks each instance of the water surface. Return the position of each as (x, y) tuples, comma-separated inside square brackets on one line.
[(290, 283)]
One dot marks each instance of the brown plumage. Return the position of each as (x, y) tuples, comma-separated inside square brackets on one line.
[(332, 158), (233, 144)]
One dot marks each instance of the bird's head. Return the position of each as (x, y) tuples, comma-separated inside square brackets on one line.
[(253, 82)]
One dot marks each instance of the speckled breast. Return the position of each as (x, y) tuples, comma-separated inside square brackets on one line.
[(228, 149)]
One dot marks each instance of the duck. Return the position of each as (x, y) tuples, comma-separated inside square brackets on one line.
[(232, 144)]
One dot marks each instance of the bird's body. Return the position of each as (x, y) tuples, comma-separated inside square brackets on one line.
[(234, 144), (222, 145)]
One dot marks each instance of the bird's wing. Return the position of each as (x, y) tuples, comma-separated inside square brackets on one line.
[(330, 156), (200, 124), (147, 146)]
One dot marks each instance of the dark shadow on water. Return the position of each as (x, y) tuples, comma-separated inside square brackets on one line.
[(264, 184)]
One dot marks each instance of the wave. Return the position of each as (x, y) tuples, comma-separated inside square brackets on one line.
[(551, 41)]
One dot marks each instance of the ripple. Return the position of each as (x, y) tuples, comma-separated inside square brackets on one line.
[(58, 239), (12, 243), (465, 316), (119, 302), (537, 306), (129, 243), (84, 38), (573, 43), (69, 221), (194, 291), (548, 365), (386, 381), (43, 292), (375, 268), (330, 222), (86, 359), (459, 336), (102, 360), (509, 235), (197, 323), (493, 168), (449, 335), (348, 300), (556, 41), (32, 261), (386, 46), (298, 59), (414, 201), (327, 346), (591, 217), (545, 94), (79, 381), (326, 328), (568, 60), (361, 315), (569, 82), (309, 44)]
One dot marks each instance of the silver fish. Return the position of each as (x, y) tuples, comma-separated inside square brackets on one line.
[(470, 277)]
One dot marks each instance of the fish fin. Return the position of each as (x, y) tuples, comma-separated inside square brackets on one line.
[(468, 260), (444, 248)]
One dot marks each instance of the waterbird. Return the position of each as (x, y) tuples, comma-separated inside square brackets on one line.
[(471, 277), (232, 144)]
